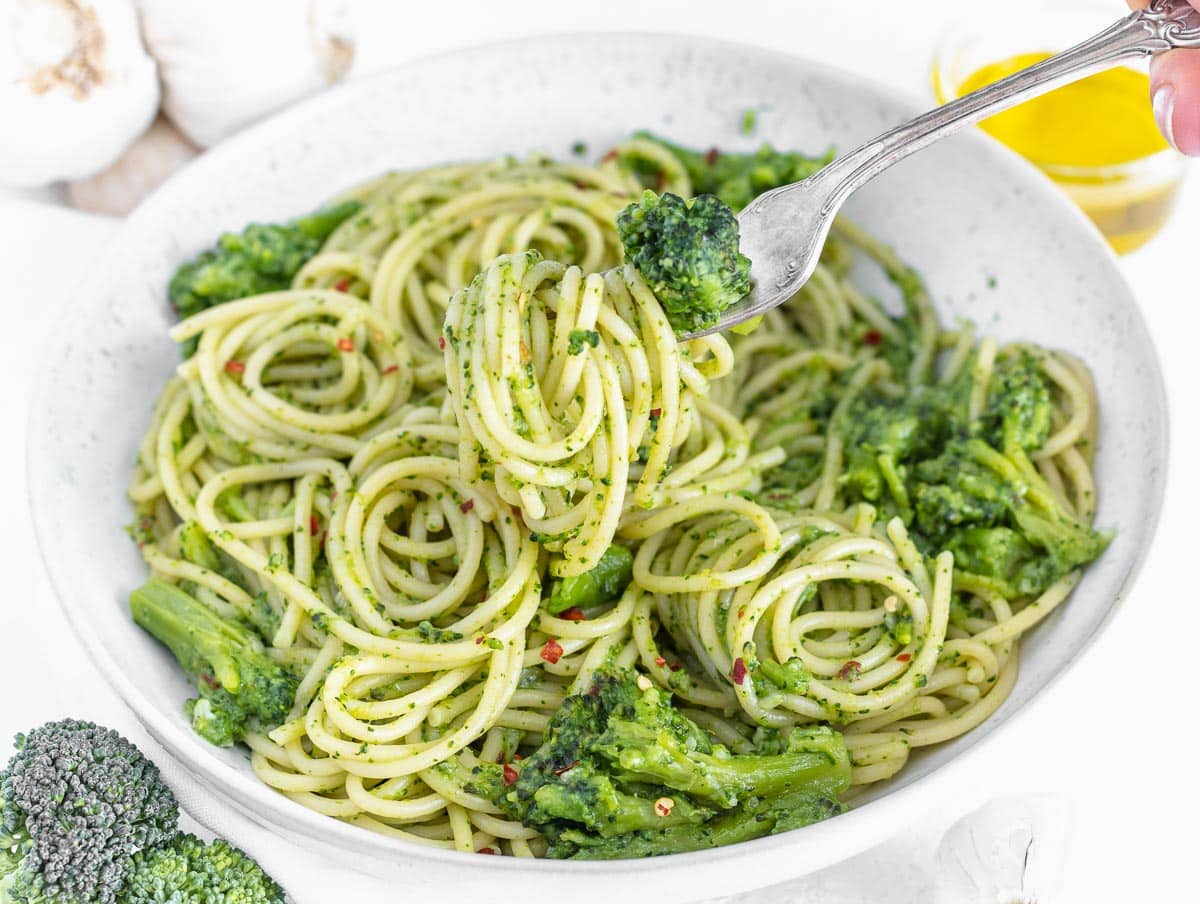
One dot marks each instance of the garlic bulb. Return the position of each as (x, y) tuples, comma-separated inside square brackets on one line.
[(1009, 851), (146, 164), (76, 87), (226, 63)]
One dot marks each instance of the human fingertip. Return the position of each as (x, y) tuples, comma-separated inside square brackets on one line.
[(1163, 101)]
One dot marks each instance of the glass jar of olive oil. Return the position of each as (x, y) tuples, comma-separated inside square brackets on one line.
[(1096, 138)]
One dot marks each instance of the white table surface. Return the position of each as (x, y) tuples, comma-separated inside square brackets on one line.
[(1111, 735)]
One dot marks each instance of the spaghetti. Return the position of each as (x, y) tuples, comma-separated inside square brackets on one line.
[(465, 397)]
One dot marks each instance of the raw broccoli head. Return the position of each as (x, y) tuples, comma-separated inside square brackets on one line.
[(188, 871), (77, 803), (240, 685), (688, 254)]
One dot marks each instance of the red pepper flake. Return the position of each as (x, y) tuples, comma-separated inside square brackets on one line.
[(676, 666), (904, 657), (442, 342), (552, 651), (314, 526), (567, 768), (711, 157), (659, 661), (235, 367), (655, 412), (573, 614), (581, 185), (342, 284), (479, 640), (345, 344), (661, 181), (611, 155), (517, 756), (209, 680), (739, 671), (390, 369), (850, 669), (487, 850), (467, 506), (873, 337), (510, 774)]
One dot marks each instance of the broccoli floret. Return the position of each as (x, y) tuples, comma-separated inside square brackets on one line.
[(622, 773), (603, 583), (688, 254), (1019, 410), (78, 802), (737, 179), (188, 871), (260, 258), (240, 685)]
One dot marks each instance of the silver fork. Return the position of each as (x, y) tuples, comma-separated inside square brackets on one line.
[(784, 230)]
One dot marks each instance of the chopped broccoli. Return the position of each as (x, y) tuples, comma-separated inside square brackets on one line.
[(977, 502), (622, 773), (260, 258), (240, 685), (968, 485), (78, 802), (603, 583), (737, 179), (688, 254), (188, 871)]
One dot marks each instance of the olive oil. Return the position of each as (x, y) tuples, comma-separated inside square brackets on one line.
[(1097, 138)]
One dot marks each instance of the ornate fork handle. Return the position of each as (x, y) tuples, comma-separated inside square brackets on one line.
[(1163, 25)]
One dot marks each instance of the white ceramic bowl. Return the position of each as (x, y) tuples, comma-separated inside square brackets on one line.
[(997, 243)]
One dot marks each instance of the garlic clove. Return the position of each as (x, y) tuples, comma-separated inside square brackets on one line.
[(76, 87), (146, 164), (226, 63)]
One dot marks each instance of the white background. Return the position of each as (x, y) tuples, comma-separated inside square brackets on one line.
[(1112, 735)]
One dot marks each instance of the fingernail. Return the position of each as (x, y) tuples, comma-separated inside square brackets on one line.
[(1164, 111)]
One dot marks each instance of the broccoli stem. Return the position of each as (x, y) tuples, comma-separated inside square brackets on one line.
[(238, 682), (603, 583), (724, 779)]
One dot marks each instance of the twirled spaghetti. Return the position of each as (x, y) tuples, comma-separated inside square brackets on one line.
[(466, 396)]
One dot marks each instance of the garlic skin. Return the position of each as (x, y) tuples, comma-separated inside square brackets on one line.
[(146, 164), (76, 87), (226, 63)]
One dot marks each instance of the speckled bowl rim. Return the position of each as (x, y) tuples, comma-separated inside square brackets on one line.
[(817, 846)]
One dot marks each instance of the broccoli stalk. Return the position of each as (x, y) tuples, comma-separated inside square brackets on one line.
[(602, 584), (642, 753), (622, 773), (688, 254), (761, 816), (77, 804), (240, 685), (188, 871), (260, 258)]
